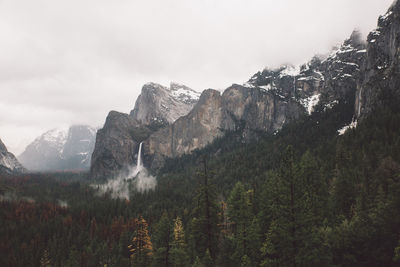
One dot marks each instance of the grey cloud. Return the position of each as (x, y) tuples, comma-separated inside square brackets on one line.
[(64, 62)]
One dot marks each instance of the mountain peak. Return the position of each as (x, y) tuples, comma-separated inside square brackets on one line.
[(56, 136), (356, 39), (164, 105), (62, 148)]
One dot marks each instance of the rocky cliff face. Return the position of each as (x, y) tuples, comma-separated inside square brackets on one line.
[(163, 105), (60, 149), (115, 145), (265, 103), (189, 132), (334, 76), (8, 162), (156, 107), (381, 70)]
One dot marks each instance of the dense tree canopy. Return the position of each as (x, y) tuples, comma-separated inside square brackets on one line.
[(304, 196)]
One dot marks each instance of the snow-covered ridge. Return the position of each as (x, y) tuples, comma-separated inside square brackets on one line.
[(164, 105), (290, 70), (183, 93), (60, 149), (55, 138), (322, 74)]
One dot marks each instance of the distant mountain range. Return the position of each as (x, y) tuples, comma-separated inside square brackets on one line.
[(60, 149), (356, 72), (170, 126)]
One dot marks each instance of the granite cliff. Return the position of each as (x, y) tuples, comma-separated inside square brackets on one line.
[(118, 141), (381, 69), (163, 105)]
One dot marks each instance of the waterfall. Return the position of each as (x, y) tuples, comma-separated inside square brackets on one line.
[(359, 103), (139, 177), (139, 165)]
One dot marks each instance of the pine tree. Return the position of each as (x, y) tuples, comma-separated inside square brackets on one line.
[(141, 248), (396, 257), (179, 255), (204, 225), (281, 246), (207, 260), (73, 258), (197, 262), (345, 182), (161, 241), (93, 228), (282, 242), (244, 224), (245, 261), (45, 259), (315, 187)]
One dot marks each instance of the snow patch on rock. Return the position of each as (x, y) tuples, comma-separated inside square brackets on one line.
[(351, 125), (310, 102)]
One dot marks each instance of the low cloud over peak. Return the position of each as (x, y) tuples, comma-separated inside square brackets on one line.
[(73, 61)]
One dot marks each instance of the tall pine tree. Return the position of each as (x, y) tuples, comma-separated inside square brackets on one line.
[(204, 225), (141, 247), (245, 236), (162, 241), (179, 254)]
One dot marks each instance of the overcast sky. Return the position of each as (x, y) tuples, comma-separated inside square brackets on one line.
[(68, 62)]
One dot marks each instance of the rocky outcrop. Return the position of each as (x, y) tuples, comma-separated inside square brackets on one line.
[(8, 162), (60, 149), (381, 71), (189, 132), (256, 109), (156, 107), (334, 76), (162, 105), (115, 145)]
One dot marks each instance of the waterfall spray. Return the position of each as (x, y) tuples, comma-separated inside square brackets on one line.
[(142, 180)]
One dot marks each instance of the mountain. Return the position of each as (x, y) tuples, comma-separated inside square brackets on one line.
[(356, 72), (115, 144), (8, 162), (160, 104), (265, 103), (60, 149), (156, 107)]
